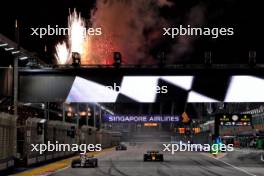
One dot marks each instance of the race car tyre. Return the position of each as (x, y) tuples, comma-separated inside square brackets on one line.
[(74, 162), (161, 158)]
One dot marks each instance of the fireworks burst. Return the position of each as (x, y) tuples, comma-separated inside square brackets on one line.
[(77, 34), (127, 27), (76, 39), (62, 53)]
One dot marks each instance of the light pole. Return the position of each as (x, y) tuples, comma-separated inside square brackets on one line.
[(94, 115), (100, 118), (78, 115), (88, 114), (63, 112), (16, 70)]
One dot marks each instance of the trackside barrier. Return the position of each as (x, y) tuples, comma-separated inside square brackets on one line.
[(7, 140)]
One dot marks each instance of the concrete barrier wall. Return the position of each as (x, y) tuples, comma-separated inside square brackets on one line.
[(87, 135), (7, 140), (61, 133)]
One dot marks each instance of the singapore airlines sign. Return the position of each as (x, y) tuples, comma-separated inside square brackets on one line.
[(141, 118)]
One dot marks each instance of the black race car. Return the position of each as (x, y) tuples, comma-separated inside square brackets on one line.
[(121, 147), (153, 156), (85, 161)]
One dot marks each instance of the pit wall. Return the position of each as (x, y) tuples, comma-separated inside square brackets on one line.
[(40, 131)]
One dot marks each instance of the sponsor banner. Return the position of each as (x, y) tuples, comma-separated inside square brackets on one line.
[(234, 119), (141, 118)]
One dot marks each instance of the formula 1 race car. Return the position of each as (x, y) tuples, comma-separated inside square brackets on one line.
[(85, 161), (153, 156), (121, 147)]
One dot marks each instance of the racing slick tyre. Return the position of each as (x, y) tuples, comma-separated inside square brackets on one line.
[(96, 164), (161, 158), (74, 162), (145, 159)]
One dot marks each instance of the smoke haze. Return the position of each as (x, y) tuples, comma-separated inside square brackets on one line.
[(128, 26)]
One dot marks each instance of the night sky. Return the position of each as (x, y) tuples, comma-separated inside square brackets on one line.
[(245, 16)]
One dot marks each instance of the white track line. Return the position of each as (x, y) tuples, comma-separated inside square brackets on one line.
[(240, 169)]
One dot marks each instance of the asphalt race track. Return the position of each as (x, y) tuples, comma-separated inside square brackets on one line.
[(130, 163)]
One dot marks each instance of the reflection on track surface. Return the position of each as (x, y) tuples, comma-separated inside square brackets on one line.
[(130, 163)]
